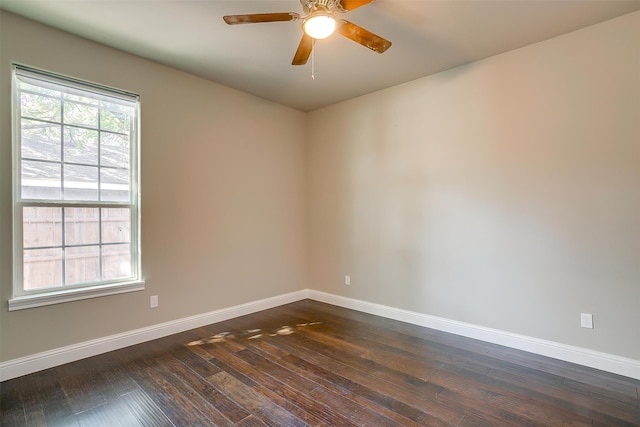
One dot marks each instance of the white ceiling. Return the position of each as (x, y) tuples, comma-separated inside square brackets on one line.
[(428, 36)]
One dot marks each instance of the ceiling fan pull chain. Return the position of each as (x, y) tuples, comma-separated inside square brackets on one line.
[(313, 61)]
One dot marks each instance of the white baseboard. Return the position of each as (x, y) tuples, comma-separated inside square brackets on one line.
[(48, 359), (59, 356), (581, 356)]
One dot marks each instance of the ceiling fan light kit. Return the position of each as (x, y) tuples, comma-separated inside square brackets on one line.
[(319, 23)]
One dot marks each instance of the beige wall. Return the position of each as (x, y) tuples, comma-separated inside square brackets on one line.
[(504, 193), (223, 185)]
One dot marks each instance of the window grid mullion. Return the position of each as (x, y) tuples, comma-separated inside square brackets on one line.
[(39, 171), (31, 248), (100, 248), (79, 126), (101, 244), (64, 249), (99, 157), (55, 162), (62, 129), (74, 204), (62, 224)]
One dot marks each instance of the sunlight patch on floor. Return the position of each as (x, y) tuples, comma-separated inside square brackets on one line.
[(251, 334)]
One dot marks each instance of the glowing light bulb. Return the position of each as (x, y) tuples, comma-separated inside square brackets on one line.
[(319, 26)]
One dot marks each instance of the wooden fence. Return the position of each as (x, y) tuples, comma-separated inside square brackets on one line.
[(91, 250)]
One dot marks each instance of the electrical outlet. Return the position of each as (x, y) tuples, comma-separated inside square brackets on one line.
[(586, 320), (347, 280), (154, 301)]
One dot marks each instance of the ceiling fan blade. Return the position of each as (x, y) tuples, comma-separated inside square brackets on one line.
[(353, 4), (304, 50), (260, 17), (364, 37)]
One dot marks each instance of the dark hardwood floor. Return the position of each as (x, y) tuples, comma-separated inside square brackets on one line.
[(309, 363)]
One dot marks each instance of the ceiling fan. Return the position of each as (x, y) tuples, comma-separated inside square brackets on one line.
[(319, 23)]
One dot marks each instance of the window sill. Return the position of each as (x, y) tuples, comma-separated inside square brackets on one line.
[(58, 297)]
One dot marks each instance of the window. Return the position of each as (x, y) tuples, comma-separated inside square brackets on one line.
[(76, 198)]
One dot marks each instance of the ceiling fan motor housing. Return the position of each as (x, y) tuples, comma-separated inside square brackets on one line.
[(310, 6)]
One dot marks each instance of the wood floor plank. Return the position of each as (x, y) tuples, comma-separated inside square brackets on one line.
[(326, 380), (11, 407), (254, 402), (288, 391), (582, 377), (303, 407), (111, 414), (250, 421), (78, 380), (486, 396), (314, 364), (369, 375), (35, 418), (145, 409), (396, 397), (433, 336), (473, 419), (353, 412), (334, 410), (198, 393), (159, 386), (560, 395), (199, 365), (221, 409), (42, 393), (421, 406)]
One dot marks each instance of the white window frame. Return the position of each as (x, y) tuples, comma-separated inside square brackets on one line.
[(23, 299)]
